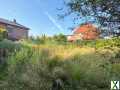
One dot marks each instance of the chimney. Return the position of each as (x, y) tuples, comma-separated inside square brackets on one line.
[(14, 20)]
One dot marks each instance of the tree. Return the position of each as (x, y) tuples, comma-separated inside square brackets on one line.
[(105, 12), (60, 38), (3, 34), (41, 40)]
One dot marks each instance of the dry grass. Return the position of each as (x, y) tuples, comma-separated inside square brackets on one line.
[(64, 51)]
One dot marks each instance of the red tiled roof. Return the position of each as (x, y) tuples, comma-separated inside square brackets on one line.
[(88, 32), (85, 28)]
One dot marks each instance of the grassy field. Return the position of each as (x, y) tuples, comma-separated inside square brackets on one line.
[(31, 66)]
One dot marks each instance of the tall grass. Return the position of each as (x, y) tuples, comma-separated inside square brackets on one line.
[(61, 66), (45, 67)]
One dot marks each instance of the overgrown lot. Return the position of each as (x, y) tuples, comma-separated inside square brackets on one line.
[(31, 66)]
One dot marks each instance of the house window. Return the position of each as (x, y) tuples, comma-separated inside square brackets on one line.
[(10, 29)]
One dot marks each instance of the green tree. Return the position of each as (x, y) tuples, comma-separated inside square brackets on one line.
[(60, 38), (42, 39), (103, 11)]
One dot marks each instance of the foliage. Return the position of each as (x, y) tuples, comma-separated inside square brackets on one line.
[(3, 34), (115, 71), (7, 48), (70, 66), (56, 39), (113, 42), (41, 67), (103, 11), (100, 43), (60, 39), (10, 45)]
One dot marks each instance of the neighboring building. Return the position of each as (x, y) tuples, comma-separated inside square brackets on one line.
[(15, 31), (84, 32)]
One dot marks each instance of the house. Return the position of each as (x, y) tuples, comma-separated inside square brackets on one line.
[(15, 31), (84, 32)]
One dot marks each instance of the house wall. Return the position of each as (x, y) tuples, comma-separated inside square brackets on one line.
[(74, 37), (15, 33), (3, 26)]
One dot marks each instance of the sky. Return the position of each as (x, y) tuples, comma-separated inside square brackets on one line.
[(39, 15)]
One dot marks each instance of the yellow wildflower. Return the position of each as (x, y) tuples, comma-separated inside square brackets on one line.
[(2, 29)]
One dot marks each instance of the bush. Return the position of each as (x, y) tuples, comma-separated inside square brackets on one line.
[(3, 34), (90, 71), (113, 42), (115, 71), (7, 48), (9, 44)]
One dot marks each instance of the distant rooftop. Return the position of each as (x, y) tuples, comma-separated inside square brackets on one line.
[(13, 23)]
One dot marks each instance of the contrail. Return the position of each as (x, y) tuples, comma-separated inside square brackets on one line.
[(53, 21)]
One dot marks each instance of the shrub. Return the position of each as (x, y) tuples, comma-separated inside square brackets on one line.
[(3, 34), (114, 42), (115, 71), (7, 48), (90, 71), (60, 39)]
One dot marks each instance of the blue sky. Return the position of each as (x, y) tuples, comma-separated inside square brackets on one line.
[(39, 15)]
